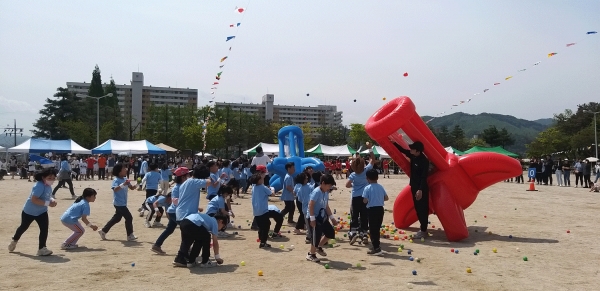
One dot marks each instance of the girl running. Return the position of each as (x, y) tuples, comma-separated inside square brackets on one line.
[(70, 219), (120, 186), (181, 174)]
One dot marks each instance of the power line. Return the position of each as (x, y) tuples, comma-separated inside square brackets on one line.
[(13, 131)]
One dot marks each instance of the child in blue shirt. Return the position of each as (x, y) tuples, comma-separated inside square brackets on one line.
[(319, 212), (260, 206), (155, 204), (165, 173), (287, 194), (189, 193), (359, 223), (181, 175), (374, 196), (197, 229), (152, 179), (215, 182), (302, 191), (120, 186), (244, 176), (237, 176), (221, 204), (36, 209), (79, 209)]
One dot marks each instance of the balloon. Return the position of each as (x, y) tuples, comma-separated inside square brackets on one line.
[(457, 180), (405, 74)]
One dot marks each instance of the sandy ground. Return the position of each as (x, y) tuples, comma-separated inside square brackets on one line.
[(537, 221)]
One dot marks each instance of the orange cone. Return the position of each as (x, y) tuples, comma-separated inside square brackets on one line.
[(532, 186)]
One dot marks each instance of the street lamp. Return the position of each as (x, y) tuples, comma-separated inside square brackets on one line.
[(595, 130), (97, 112)]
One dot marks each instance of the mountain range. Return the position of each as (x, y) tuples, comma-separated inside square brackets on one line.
[(523, 131)]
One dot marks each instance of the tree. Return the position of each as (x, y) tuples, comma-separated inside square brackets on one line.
[(549, 141), (459, 141), (506, 138), (358, 135), (79, 131), (66, 108), (96, 89), (491, 135), (443, 135), (477, 142), (308, 132)]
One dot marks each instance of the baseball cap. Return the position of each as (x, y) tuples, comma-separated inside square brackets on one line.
[(181, 171), (261, 168), (417, 145)]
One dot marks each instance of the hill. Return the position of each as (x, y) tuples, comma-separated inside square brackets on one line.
[(545, 121), (523, 131)]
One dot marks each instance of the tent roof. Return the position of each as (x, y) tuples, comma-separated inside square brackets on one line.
[(454, 151), (497, 149), (334, 151), (34, 145), (135, 147), (378, 151), (166, 147), (268, 149)]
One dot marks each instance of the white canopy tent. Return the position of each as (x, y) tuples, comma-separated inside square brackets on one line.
[(34, 145), (592, 159), (136, 147), (378, 151), (331, 151), (268, 149)]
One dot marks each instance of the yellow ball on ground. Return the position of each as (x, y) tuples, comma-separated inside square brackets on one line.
[(260, 272)]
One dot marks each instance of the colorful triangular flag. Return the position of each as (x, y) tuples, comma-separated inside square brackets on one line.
[(230, 38), (239, 10), (223, 59)]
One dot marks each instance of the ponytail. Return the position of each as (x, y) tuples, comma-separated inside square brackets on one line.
[(87, 192)]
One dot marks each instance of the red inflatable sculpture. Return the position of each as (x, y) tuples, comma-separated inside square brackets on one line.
[(453, 183)]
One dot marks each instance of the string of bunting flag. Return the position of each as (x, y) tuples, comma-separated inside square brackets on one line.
[(235, 26), (549, 55)]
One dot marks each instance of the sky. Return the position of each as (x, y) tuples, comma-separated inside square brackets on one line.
[(336, 51)]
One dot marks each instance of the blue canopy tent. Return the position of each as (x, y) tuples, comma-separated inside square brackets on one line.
[(136, 147), (45, 163), (34, 145)]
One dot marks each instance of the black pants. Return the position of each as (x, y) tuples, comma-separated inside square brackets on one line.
[(586, 179), (375, 221), (43, 224), (171, 226), (359, 221), (150, 207), (300, 223), (120, 212), (101, 173), (421, 207), (62, 183), (549, 175), (264, 225), (196, 237), (149, 193), (288, 210), (323, 228), (76, 175), (579, 177), (519, 179)]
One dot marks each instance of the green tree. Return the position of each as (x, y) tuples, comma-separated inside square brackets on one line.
[(79, 131), (443, 135), (506, 138), (96, 89), (459, 141), (358, 135), (549, 141), (477, 142), (491, 135), (65, 108), (308, 133)]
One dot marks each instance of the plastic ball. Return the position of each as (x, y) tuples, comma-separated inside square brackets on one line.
[(433, 226), (345, 235), (411, 259), (489, 232), (411, 240), (292, 247), (402, 246), (260, 272), (469, 270), (568, 231), (477, 251), (258, 240), (399, 250), (409, 252), (243, 263), (510, 236), (456, 251), (281, 247), (422, 239), (358, 265), (133, 264), (383, 98), (485, 216), (494, 250), (239, 227), (326, 266), (396, 237), (354, 100), (414, 272), (330, 245), (451, 250), (525, 259)]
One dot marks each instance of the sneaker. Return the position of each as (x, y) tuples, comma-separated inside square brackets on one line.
[(365, 240), (419, 234), (67, 247), (222, 234), (307, 241), (321, 252), (264, 246), (312, 258), (157, 250), (12, 246), (102, 234), (147, 224), (44, 252), (179, 264), (158, 224), (192, 264), (131, 237), (276, 236), (229, 225), (208, 264), (375, 252), (354, 239), (297, 231)]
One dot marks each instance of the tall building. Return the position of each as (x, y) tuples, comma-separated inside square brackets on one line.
[(135, 99), (321, 115)]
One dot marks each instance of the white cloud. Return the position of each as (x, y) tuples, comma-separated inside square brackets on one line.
[(12, 106)]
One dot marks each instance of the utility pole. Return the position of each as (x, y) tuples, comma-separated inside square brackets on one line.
[(13, 131)]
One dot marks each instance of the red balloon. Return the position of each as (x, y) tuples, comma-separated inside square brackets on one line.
[(405, 75)]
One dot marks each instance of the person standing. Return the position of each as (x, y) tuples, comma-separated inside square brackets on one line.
[(110, 164), (261, 160), (587, 172), (597, 172), (90, 167), (578, 173), (566, 167), (548, 170), (419, 170), (559, 175), (101, 167), (31, 170), (12, 165)]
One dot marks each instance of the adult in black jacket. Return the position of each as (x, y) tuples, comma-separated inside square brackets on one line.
[(419, 169)]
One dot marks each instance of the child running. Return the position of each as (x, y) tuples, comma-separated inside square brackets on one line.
[(79, 209), (36, 209), (260, 205), (120, 187), (374, 196), (359, 223), (287, 195), (197, 229), (215, 182), (152, 179), (156, 204), (165, 172), (318, 212), (302, 191), (181, 175)]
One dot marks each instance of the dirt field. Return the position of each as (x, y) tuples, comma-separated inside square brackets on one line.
[(537, 221)]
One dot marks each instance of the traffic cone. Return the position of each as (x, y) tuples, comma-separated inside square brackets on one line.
[(532, 186)]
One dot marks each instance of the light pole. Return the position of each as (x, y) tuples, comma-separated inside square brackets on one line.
[(595, 130), (97, 113)]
